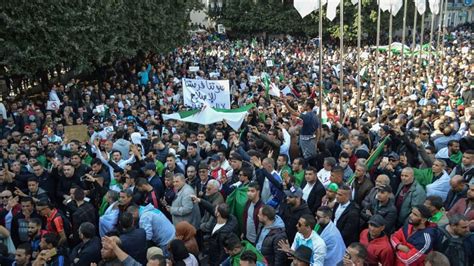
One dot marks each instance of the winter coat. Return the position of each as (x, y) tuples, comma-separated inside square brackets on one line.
[(216, 241), (291, 216), (348, 223), (416, 195), (267, 242)]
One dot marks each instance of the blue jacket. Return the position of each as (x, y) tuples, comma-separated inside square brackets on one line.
[(157, 227), (334, 243), (143, 75)]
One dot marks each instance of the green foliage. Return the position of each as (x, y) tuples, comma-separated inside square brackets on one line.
[(276, 16), (40, 35)]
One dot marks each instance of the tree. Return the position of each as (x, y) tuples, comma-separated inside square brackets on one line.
[(38, 37), (276, 16)]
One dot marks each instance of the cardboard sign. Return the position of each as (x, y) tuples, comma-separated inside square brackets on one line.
[(78, 132), (269, 63)]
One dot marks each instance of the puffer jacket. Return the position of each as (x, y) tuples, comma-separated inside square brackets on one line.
[(267, 242)]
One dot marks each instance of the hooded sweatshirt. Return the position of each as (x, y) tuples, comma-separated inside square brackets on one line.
[(278, 223), (157, 227)]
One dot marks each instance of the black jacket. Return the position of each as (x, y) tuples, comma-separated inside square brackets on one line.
[(291, 216), (270, 249), (348, 223), (134, 244), (87, 252), (315, 196), (216, 241), (388, 212)]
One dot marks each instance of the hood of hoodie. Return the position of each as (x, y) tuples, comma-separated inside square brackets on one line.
[(147, 208), (363, 147), (278, 223)]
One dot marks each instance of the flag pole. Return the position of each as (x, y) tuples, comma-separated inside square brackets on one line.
[(413, 46), (390, 22), (321, 63), (402, 78), (422, 35), (441, 64), (376, 87), (430, 44), (359, 29), (341, 69), (440, 22)]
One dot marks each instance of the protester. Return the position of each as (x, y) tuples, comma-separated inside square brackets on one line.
[(395, 150)]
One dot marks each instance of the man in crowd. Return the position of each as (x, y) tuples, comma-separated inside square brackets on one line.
[(456, 241), (346, 215), (328, 231), (377, 243)]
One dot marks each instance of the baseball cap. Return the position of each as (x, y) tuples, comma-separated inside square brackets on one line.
[(202, 165), (215, 157), (149, 166), (377, 220), (385, 188), (333, 187), (394, 155), (294, 192)]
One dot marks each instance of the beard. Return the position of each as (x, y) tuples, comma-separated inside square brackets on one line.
[(415, 223)]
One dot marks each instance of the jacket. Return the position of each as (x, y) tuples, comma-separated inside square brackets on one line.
[(183, 208), (439, 187), (157, 227), (453, 197), (216, 241), (348, 223), (256, 222), (460, 207), (361, 190), (87, 252), (315, 196), (134, 244), (415, 195), (419, 243), (459, 250), (207, 218), (291, 216), (388, 212), (267, 242), (334, 243), (462, 171), (379, 250)]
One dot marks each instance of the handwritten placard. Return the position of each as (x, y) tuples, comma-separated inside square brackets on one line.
[(215, 93), (78, 132)]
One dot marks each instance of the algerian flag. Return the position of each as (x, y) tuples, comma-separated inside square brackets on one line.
[(420, 6), (434, 6), (396, 47), (305, 7), (208, 115), (331, 9), (392, 6), (270, 88)]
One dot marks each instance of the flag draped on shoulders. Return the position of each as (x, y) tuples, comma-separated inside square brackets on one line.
[(236, 201)]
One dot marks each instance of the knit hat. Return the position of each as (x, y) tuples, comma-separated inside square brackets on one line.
[(333, 187), (152, 251)]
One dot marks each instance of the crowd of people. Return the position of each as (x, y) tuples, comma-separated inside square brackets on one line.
[(297, 184)]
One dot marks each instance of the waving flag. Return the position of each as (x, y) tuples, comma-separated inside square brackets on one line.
[(420, 6), (434, 6), (392, 6), (208, 115), (331, 9), (305, 7)]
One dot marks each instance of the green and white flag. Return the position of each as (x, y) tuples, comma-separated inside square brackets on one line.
[(208, 115), (270, 88)]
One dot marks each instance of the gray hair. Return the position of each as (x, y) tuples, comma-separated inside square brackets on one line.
[(214, 183), (180, 176), (456, 218)]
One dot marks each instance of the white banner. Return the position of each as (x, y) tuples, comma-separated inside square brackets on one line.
[(215, 93)]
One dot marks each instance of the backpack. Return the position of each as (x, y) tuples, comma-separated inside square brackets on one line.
[(67, 225)]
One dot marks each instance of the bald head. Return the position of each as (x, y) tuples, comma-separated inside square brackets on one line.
[(382, 180), (407, 175), (457, 183)]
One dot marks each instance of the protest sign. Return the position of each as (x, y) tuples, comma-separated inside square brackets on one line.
[(220, 29), (194, 68), (78, 132), (215, 93), (253, 79), (53, 105), (214, 74), (269, 63), (100, 108)]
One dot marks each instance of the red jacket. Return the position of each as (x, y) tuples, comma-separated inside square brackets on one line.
[(380, 252), (419, 243)]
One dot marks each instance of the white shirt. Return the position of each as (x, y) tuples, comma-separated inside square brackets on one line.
[(217, 227), (340, 209), (306, 190)]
